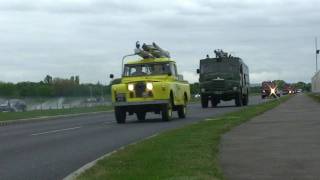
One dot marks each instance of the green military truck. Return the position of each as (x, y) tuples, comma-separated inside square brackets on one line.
[(223, 78)]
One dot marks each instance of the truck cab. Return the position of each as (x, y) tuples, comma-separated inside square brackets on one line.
[(150, 84), (288, 89), (223, 78), (269, 89)]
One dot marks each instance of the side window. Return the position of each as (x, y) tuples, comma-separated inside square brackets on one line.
[(173, 69)]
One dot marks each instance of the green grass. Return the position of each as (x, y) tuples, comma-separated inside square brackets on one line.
[(4, 116), (315, 96), (190, 152)]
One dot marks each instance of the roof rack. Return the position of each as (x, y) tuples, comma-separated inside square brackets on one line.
[(150, 51)]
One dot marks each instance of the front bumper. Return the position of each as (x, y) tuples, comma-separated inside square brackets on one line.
[(221, 92), (141, 103)]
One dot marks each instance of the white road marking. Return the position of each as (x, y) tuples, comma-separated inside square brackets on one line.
[(55, 131)]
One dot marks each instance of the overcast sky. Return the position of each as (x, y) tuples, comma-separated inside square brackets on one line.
[(89, 37)]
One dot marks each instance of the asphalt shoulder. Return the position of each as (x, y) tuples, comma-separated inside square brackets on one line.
[(282, 143)]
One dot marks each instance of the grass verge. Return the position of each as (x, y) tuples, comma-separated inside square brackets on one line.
[(315, 96), (190, 152), (4, 116)]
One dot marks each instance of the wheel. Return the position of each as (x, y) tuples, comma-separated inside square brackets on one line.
[(214, 102), (120, 115), (166, 112), (245, 100), (141, 116), (204, 101), (238, 99), (182, 110)]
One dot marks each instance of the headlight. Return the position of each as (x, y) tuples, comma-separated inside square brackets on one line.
[(149, 86), (203, 90), (235, 88), (130, 87)]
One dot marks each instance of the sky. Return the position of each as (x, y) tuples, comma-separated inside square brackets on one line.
[(275, 38)]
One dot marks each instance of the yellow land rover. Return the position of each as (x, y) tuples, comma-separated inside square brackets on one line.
[(150, 84)]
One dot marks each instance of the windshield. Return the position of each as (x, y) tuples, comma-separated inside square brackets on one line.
[(217, 67), (147, 69)]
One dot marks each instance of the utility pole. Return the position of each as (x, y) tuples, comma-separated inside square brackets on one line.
[(317, 52)]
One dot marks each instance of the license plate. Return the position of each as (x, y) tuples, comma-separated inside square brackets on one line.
[(121, 98)]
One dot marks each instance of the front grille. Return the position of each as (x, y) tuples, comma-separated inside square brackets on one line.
[(139, 88), (217, 85)]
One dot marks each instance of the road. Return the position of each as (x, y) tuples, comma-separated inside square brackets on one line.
[(54, 148), (282, 143)]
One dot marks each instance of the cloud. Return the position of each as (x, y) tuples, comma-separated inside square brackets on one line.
[(192, 77), (89, 37)]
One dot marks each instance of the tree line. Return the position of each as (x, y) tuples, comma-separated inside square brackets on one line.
[(53, 87), (59, 87)]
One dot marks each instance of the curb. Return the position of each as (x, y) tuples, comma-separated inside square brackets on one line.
[(45, 118), (87, 166)]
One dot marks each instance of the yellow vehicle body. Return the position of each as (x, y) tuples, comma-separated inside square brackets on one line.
[(161, 93)]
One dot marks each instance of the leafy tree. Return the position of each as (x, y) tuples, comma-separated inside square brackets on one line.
[(280, 83), (48, 79), (194, 88), (77, 80)]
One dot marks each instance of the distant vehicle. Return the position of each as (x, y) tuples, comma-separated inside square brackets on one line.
[(223, 78), (197, 95), (299, 91), (18, 105), (4, 107), (288, 89), (269, 89), (150, 84), (13, 105)]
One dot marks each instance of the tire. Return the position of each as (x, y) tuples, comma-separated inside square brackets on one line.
[(245, 100), (141, 116), (182, 110), (204, 102), (166, 112), (214, 102), (238, 99), (120, 115)]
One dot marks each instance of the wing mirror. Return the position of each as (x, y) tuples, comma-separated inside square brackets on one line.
[(111, 76), (198, 71)]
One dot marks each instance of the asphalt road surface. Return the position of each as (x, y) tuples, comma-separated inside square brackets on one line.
[(52, 149), (282, 143)]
